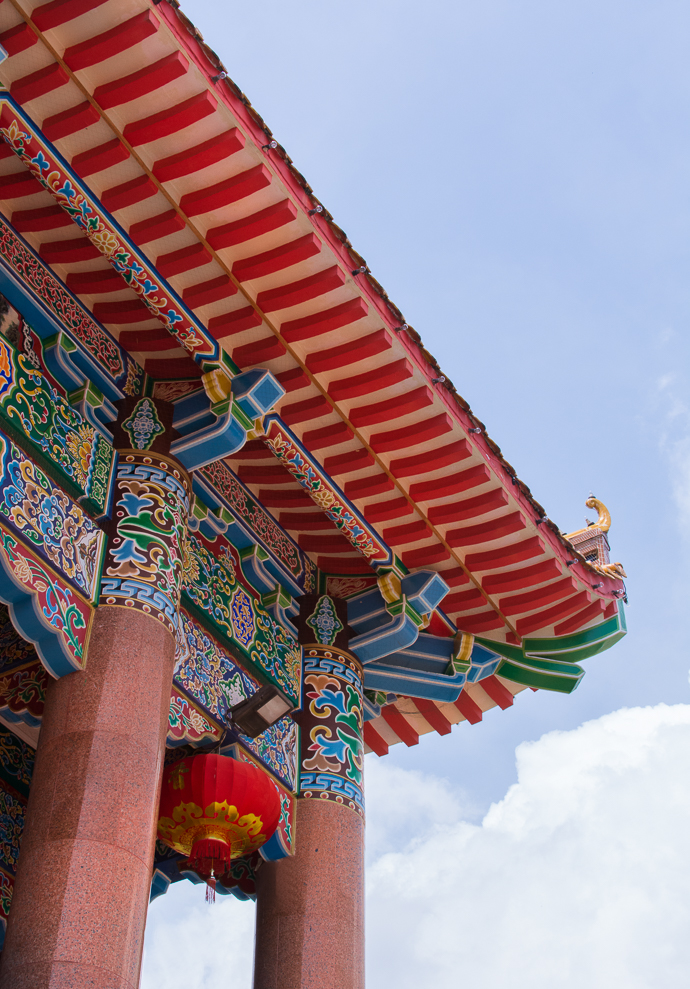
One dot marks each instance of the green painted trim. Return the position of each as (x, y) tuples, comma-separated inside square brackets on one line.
[(550, 664)]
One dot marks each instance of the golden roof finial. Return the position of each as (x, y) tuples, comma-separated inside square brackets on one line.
[(603, 523), (604, 520)]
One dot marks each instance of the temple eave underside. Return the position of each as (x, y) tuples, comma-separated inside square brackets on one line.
[(212, 417)]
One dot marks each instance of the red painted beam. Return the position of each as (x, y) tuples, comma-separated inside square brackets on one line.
[(402, 728), (460, 600), (156, 227), (393, 408), (101, 282), (254, 225), (581, 618), (354, 564), (76, 118), (204, 293), (17, 185), (423, 463), (399, 535), (420, 432), (472, 535), (325, 436), (374, 740), (68, 251), (431, 714), (258, 351), (183, 260), (277, 259), (147, 341), (331, 543), (505, 556), (469, 708), (542, 619), (170, 121), (201, 156), (38, 220), (309, 408), (346, 463), (323, 322), (39, 83), (355, 386), (539, 598), (485, 621), (445, 487), (97, 159), (455, 577), (271, 473), (118, 39), (124, 313), (349, 353), (294, 379), (146, 80), (295, 293), (182, 368), (519, 579), (284, 498), (425, 555), (384, 511), (305, 520), (367, 487), (58, 12), (227, 192), (497, 691), (18, 39), (256, 450), (231, 323), (128, 193), (469, 508)]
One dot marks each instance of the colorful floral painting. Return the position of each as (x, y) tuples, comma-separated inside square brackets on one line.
[(321, 489), (55, 525), (145, 557), (212, 587), (31, 407), (187, 724), (64, 186), (62, 611), (333, 752), (216, 680), (247, 509), (78, 322)]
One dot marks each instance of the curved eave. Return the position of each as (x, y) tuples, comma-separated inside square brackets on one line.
[(278, 286)]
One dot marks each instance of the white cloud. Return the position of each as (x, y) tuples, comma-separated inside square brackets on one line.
[(191, 945), (578, 877)]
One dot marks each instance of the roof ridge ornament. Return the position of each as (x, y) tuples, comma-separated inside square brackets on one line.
[(603, 523)]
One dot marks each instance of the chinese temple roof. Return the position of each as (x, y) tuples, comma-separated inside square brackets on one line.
[(144, 115)]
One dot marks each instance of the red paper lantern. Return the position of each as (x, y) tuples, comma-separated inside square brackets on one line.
[(214, 809)]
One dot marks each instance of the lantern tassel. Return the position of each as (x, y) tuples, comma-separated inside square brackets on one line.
[(211, 889)]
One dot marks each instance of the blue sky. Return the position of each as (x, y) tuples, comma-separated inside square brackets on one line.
[(515, 174)]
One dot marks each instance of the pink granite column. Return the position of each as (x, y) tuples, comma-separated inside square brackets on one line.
[(79, 906), (310, 916)]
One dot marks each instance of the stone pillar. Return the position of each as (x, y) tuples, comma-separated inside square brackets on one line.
[(310, 913), (79, 906)]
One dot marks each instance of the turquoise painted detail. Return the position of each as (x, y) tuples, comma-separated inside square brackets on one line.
[(324, 621), (143, 426)]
